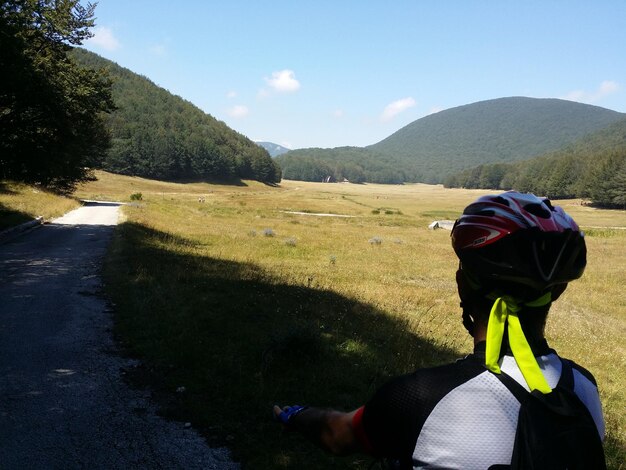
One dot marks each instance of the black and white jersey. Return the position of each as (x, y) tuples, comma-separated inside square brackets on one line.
[(457, 415)]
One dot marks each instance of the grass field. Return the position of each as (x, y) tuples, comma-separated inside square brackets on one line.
[(245, 304), (21, 203)]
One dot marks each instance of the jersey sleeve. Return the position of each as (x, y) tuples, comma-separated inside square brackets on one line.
[(392, 420), (587, 390), (359, 431), (388, 420)]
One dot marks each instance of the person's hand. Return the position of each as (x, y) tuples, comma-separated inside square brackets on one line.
[(284, 415), (277, 411)]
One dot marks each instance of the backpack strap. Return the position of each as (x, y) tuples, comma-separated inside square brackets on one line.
[(553, 401), (514, 387), (567, 375), (566, 381)]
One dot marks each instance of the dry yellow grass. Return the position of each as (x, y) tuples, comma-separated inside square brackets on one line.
[(408, 275), (21, 202)]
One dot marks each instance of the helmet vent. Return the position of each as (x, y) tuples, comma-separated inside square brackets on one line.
[(501, 200), (538, 210), (479, 209), (548, 252)]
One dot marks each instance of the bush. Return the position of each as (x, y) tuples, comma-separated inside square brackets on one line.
[(136, 197)]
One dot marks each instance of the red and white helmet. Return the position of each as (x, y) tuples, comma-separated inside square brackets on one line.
[(518, 244)]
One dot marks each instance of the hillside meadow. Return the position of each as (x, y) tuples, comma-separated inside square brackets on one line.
[(236, 303)]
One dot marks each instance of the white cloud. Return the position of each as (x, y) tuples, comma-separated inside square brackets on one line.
[(395, 108), (606, 88), (283, 81), (104, 38), (238, 111), (338, 113), (231, 94)]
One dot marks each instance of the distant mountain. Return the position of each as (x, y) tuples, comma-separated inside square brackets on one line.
[(156, 134), (442, 144), (273, 149), (593, 167)]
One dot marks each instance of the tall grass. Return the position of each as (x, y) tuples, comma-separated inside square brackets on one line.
[(21, 203), (243, 321)]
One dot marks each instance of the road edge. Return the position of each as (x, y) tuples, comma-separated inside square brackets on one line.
[(14, 232)]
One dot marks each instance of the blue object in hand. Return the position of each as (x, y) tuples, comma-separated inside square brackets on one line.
[(291, 411)]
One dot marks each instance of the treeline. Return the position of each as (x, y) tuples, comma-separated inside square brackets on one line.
[(356, 164), (434, 147), (65, 112), (52, 129), (159, 135), (593, 168), (502, 130)]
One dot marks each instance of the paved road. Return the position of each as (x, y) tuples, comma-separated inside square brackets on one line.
[(63, 403)]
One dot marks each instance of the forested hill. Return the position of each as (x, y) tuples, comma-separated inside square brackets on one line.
[(442, 144), (156, 134), (594, 167), (500, 130)]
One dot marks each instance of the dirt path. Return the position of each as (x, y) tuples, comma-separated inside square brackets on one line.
[(63, 403)]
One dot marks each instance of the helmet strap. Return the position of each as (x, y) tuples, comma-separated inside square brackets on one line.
[(468, 320), (505, 313)]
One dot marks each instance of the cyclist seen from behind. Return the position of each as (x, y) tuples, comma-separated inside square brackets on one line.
[(513, 403)]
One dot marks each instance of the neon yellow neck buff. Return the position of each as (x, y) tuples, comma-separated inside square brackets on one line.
[(504, 312)]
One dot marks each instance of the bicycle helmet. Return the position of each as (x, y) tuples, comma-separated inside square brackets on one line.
[(518, 244), (517, 250)]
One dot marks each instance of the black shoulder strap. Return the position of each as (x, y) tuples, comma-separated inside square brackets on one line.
[(556, 401), (566, 381), (567, 375), (514, 387)]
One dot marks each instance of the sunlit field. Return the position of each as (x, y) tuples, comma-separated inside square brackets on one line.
[(21, 203), (238, 303)]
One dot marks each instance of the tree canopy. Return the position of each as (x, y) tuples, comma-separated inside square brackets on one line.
[(594, 167), (156, 134), (52, 128), (355, 164), (441, 144)]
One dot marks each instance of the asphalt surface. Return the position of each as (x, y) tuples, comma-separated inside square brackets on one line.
[(63, 401)]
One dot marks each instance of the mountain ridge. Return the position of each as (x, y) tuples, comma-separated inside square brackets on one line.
[(436, 146), (273, 149)]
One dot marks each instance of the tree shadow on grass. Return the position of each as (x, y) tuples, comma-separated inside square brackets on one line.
[(239, 340), (11, 217), (615, 452), (4, 188), (223, 182)]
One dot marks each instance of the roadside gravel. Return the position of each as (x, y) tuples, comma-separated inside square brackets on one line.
[(63, 402)]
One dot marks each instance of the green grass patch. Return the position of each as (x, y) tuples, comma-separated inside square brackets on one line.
[(441, 214), (239, 340), (243, 320), (604, 232)]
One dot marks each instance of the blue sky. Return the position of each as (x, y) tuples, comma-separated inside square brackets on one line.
[(324, 73)]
